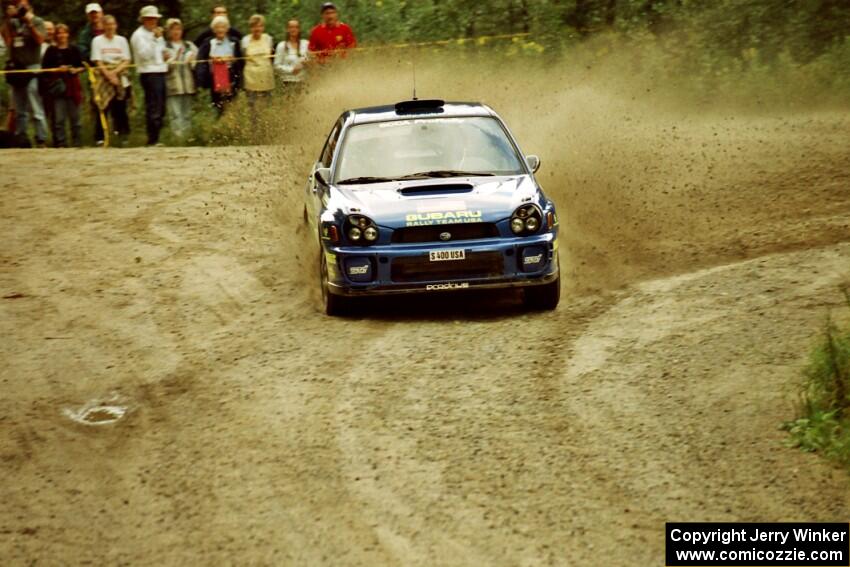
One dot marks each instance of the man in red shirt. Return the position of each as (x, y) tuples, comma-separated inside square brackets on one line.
[(331, 36)]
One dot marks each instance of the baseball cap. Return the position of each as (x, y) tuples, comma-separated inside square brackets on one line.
[(328, 6), (149, 12), (93, 7)]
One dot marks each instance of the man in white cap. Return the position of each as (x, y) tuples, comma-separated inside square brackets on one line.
[(92, 29), (150, 58)]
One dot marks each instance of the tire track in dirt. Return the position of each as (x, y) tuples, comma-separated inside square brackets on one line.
[(433, 435), (669, 406), (691, 378), (378, 454)]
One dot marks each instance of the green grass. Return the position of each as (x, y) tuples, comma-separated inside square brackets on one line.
[(824, 424)]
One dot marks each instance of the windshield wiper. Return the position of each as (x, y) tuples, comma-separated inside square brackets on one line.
[(361, 180), (446, 173)]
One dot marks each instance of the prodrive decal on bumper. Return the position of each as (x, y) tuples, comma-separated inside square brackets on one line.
[(446, 286), (410, 288)]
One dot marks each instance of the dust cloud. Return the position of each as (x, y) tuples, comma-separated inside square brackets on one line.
[(648, 179)]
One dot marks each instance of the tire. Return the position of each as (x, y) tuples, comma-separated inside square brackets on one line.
[(333, 305), (543, 297)]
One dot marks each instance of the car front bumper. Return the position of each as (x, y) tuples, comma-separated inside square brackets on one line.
[(406, 268)]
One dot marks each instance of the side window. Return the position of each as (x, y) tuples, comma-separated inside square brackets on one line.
[(330, 144)]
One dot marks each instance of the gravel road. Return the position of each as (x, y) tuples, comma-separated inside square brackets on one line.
[(178, 285)]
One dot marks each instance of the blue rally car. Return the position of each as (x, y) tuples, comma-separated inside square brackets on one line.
[(430, 196)]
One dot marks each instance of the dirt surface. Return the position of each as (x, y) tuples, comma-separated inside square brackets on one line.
[(701, 258)]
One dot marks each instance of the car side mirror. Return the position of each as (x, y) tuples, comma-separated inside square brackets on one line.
[(533, 163), (323, 175)]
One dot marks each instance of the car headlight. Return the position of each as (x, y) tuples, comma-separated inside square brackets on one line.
[(361, 230), (526, 220), (517, 225)]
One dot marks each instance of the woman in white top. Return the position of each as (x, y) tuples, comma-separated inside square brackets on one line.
[(111, 53), (258, 48), (180, 82), (258, 74), (291, 55)]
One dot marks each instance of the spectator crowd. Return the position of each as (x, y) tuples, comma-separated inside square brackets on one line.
[(54, 79)]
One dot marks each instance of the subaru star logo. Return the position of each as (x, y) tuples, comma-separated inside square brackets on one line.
[(445, 236)]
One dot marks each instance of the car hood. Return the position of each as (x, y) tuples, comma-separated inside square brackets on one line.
[(436, 201)]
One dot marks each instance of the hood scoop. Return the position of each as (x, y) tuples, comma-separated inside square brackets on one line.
[(443, 189)]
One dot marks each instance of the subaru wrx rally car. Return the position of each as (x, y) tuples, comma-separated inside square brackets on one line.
[(430, 196)]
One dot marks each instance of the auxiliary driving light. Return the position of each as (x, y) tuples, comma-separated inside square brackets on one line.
[(526, 220), (361, 230)]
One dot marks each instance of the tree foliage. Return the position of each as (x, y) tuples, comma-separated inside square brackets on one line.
[(802, 30)]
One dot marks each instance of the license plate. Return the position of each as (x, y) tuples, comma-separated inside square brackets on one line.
[(445, 255)]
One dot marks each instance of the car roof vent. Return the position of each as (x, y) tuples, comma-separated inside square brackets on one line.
[(414, 106)]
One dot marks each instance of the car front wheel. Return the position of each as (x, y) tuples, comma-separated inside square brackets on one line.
[(543, 297), (334, 305)]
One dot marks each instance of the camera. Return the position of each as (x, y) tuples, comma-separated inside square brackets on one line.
[(22, 11)]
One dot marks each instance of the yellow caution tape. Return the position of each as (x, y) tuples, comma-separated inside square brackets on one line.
[(101, 111)]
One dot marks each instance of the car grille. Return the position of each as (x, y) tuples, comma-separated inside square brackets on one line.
[(421, 269), (431, 233)]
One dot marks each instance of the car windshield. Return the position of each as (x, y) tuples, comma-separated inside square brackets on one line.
[(426, 147)]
